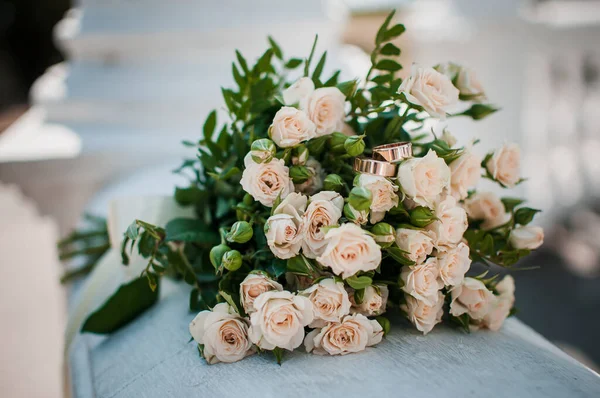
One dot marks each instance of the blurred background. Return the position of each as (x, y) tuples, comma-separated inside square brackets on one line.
[(97, 94)]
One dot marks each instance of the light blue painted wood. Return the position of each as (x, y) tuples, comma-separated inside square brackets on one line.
[(151, 357)]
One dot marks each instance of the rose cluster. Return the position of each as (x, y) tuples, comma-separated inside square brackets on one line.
[(353, 241)]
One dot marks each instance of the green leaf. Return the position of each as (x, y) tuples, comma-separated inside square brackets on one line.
[(278, 352), (399, 255), (348, 88), (359, 282), (299, 265), (332, 81), (390, 49), (487, 245), (382, 79), (310, 57), (132, 231), (275, 47), (385, 324), (293, 63), (228, 297), (319, 68), (525, 215), (209, 125), (190, 195), (393, 32), (242, 61), (190, 230), (479, 111), (129, 301), (511, 203), (379, 38), (389, 65), (264, 61)]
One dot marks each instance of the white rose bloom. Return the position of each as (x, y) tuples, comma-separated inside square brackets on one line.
[(454, 264), (314, 183), (223, 333), (424, 179), (422, 281), (498, 312), (325, 107), (526, 237), (352, 334), (253, 286), (324, 210), (451, 224), (279, 320), (330, 301), (488, 207), (417, 243), (448, 138), (506, 289), (266, 181), (350, 249), (465, 173), (505, 165), (431, 90), (423, 315), (374, 301), (298, 91), (383, 192), (468, 84), (472, 298), (283, 228), (290, 127)]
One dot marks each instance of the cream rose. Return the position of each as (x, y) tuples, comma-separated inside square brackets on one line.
[(350, 249), (223, 333), (374, 301), (283, 228), (430, 89), (472, 298), (417, 243), (352, 334), (279, 320), (469, 85), (324, 210), (383, 193), (422, 281), (266, 181), (325, 107), (450, 225), (423, 315), (253, 286), (487, 207), (497, 313), (526, 237), (454, 264), (448, 138), (465, 173), (290, 127), (423, 179), (505, 165), (330, 301), (298, 91), (506, 289), (315, 182)]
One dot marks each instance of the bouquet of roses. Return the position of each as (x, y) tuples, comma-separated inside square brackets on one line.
[(321, 205)]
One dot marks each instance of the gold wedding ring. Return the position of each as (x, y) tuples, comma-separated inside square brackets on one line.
[(393, 153), (375, 167)]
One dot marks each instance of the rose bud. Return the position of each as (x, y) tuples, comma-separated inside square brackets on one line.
[(263, 150), (384, 234), (216, 255), (240, 232), (527, 237), (300, 174), (354, 145), (360, 198), (333, 182), (232, 260), (300, 155), (357, 217), (421, 216), (336, 142)]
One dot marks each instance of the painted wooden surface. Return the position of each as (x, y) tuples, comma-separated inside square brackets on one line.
[(152, 357)]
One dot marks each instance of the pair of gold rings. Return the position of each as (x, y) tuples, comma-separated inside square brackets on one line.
[(385, 159)]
